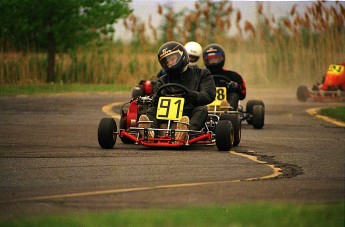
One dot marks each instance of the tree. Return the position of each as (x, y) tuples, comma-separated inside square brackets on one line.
[(57, 25)]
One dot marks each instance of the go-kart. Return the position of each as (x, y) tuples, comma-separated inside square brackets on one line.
[(217, 129), (315, 94), (332, 88), (255, 109)]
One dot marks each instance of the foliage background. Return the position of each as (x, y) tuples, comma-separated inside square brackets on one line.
[(295, 49)]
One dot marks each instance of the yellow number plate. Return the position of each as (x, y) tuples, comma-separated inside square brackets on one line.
[(220, 96), (336, 69), (170, 108)]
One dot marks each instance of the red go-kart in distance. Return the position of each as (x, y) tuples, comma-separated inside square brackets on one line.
[(331, 89), (217, 129)]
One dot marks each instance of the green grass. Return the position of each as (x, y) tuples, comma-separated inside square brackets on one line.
[(262, 214), (39, 89), (335, 112)]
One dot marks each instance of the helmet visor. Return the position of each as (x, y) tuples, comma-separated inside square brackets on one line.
[(170, 59), (213, 58), (193, 58)]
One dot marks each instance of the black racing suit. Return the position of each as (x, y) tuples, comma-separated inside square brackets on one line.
[(199, 81), (161, 73), (234, 94)]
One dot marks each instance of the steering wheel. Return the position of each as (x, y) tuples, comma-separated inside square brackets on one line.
[(181, 89)]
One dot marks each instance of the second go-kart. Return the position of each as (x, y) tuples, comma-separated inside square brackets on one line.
[(255, 109), (218, 129)]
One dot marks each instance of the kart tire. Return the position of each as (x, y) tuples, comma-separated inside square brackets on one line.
[(236, 124), (224, 135), (258, 116), (123, 126), (107, 133), (249, 108), (136, 92), (302, 93)]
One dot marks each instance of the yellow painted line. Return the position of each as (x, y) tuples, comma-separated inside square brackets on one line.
[(108, 109), (276, 172), (314, 112)]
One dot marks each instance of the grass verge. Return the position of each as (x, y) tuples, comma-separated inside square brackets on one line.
[(44, 89), (262, 214), (334, 112)]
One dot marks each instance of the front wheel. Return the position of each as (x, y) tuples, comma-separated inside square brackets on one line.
[(107, 133), (235, 120), (224, 135)]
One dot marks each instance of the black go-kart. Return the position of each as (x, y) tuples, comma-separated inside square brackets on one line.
[(255, 109)]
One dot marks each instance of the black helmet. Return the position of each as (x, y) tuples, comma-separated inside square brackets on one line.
[(214, 57), (173, 58)]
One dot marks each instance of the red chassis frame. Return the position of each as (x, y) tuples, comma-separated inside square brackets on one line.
[(327, 95), (167, 141)]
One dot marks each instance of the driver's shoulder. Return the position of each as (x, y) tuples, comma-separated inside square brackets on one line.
[(199, 72)]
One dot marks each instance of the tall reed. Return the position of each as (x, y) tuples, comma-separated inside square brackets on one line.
[(290, 50)]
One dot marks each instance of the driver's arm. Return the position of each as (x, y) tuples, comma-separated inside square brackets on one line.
[(155, 97), (207, 88)]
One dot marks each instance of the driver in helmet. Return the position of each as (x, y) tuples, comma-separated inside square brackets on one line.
[(333, 80), (194, 51), (174, 59), (214, 59)]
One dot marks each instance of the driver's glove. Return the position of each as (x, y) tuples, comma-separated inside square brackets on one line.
[(232, 85), (191, 97)]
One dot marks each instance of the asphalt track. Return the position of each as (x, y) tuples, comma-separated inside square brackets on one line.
[(50, 161)]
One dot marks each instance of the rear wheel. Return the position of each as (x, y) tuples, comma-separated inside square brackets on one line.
[(107, 131), (224, 135), (258, 116), (302, 93), (249, 108), (236, 124)]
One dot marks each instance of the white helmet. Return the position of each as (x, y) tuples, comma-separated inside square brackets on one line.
[(194, 51)]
